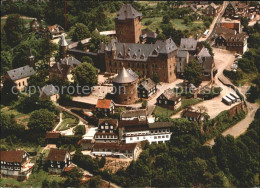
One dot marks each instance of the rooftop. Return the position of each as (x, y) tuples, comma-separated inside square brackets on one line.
[(12, 156), (127, 12), (148, 84), (49, 90), (104, 103), (21, 72), (57, 154), (171, 95), (124, 77)]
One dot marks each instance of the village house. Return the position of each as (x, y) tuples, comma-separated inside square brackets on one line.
[(119, 150), (148, 36), (233, 24), (57, 160), (63, 68), (49, 92), (146, 88), (52, 137), (190, 45), (235, 9), (15, 164), (193, 115), (107, 131), (133, 131), (212, 9), (20, 76), (55, 31), (105, 107), (169, 99), (232, 42)]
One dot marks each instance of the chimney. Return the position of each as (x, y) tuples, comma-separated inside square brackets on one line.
[(124, 50)]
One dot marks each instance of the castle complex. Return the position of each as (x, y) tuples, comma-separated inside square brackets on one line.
[(127, 51)]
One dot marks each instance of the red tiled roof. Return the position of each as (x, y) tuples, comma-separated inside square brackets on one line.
[(57, 155), (103, 103), (52, 134), (12, 156)]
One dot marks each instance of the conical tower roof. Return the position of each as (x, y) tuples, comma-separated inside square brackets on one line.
[(124, 77)]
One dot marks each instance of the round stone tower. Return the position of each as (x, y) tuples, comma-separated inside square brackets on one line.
[(125, 87)]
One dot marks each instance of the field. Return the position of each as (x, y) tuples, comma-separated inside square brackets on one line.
[(35, 180), (21, 118)]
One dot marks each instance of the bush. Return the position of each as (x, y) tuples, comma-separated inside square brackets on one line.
[(148, 22)]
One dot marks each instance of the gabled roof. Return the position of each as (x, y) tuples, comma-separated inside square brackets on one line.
[(21, 72), (124, 77), (129, 123), (132, 73), (63, 41), (52, 134), (146, 33), (57, 155), (213, 5), (104, 103), (133, 113), (204, 52), (72, 61), (170, 95), (127, 12), (188, 44), (109, 121), (12, 156), (156, 125), (147, 84), (49, 90)]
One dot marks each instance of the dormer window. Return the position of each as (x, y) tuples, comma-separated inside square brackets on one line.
[(128, 55), (129, 49), (134, 56), (142, 56), (120, 55), (155, 52), (139, 50)]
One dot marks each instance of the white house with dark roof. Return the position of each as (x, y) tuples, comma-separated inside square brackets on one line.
[(20, 76), (49, 92)]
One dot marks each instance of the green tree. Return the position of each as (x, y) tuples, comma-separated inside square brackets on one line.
[(95, 182), (79, 130), (41, 120), (6, 62), (85, 75), (9, 92), (80, 32), (87, 59), (14, 29), (166, 19), (73, 177), (96, 39), (193, 73), (102, 162), (155, 78)]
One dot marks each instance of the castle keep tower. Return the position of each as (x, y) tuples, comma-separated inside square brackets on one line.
[(128, 24), (125, 85)]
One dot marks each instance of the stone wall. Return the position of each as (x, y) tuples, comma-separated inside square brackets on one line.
[(237, 109)]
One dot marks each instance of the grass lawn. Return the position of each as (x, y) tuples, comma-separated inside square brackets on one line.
[(160, 111), (21, 118), (68, 121), (156, 21), (35, 180)]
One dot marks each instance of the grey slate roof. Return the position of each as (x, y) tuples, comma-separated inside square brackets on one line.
[(148, 84), (133, 113), (182, 53), (139, 52), (127, 12), (130, 71), (49, 90), (204, 52), (170, 95), (21, 72), (124, 77), (146, 33), (188, 44), (72, 61)]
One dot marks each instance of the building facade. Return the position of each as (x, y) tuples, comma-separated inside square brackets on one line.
[(105, 107), (57, 160), (146, 88), (15, 164), (169, 99), (128, 20)]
